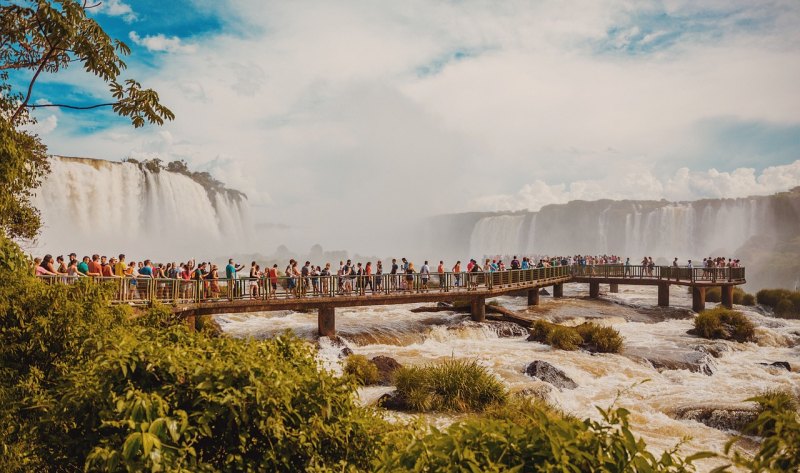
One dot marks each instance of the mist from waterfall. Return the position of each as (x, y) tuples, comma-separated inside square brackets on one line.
[(95, 206)]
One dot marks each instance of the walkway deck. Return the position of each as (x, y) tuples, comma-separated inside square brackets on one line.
[(326, 293)]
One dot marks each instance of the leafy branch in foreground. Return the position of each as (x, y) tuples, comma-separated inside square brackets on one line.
[(49, 36)]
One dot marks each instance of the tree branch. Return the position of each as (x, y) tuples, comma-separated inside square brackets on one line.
[(73, 107)]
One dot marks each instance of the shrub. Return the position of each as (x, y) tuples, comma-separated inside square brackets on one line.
[(724, 324), (589, 336), (784, 308), (771, 297), (564, 338), (779, 426), (454, 386), (530, 437), (597, 338), (364, 371), (749, 300), (714, 294)]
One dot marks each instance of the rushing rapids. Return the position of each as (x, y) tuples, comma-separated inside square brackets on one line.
[(696, 387), (96, 206)]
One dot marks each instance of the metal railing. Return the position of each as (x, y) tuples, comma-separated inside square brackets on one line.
[(143, 290)]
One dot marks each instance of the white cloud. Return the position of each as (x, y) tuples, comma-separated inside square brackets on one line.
[(117, 8), (644, 185), (43, 126), (161, 43)]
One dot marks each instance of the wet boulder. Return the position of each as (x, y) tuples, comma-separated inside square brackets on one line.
[(550, 374), (779, 364), (727, 417), (386, 368), (663, 358), (346, 351), (391, 401), (539, 391)]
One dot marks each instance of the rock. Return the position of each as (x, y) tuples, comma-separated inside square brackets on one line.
[(386, 368), (508, 329), (346, 351), (391, 401), (723, 417), (714, 349), (444, 305), (779, 364), (670, 358), (539, 391), (550, 374), (543, 292)]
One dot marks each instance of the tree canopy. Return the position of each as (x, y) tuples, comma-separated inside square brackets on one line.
[(48, 36)]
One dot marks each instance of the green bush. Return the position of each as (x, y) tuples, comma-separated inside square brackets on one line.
[(364, 371), (564, 338), (724, 324), (784, 308), (589, 336), (600, 339), (771, 297), (528, 438), (749, 300), (453, 386), (779, 426), (783, 302), (714, 294)]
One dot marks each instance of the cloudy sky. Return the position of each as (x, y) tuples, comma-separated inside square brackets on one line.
[(334, 116)]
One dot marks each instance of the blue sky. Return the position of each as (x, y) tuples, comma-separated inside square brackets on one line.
[(511, 105)]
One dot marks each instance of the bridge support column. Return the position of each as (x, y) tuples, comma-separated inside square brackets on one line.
[(698, 299), (326, 322), (558, 290), (613, 288), (594, 290), (663, 295), (727, 296), (478, 309), (533, 296)]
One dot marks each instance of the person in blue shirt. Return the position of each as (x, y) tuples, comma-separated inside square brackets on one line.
[(230, 274)]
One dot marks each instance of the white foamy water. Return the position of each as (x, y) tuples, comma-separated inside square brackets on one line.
[(95, 206), (418, 338)]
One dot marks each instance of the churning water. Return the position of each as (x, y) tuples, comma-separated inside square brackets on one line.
[(688, 378)]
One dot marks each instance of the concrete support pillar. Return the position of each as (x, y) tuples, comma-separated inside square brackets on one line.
[(613, 288), (698, 299), (478, 309), (663, 295), (533, 296), (326, 322), (558, 290), (594, 290), (727, 296), (191, 322)]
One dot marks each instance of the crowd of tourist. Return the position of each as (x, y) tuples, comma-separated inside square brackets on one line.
[(310, 279)]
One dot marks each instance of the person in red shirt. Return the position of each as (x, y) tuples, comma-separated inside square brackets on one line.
[(440, 270), (95, 269), (105, 268)]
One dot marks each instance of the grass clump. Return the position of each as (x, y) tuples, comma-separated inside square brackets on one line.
[(721, 323), (784, 303), (452, 386), (362, 370), (589, 336), (598, 338)]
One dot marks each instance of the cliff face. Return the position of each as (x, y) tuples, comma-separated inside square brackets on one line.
[(759, 230)]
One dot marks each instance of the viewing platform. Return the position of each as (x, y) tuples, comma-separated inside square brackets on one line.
[(325, 293)]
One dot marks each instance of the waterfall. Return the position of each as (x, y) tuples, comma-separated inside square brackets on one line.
[(658, 229), (95, 206)]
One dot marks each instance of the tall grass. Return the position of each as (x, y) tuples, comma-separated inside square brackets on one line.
[(363, 370), (451, 386), (721, 323), (589, 336)]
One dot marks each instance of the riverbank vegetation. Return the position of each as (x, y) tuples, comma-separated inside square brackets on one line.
[(589, 336), (783, 302), (85, 385), (362, 370), (725, 324), (451, 386)]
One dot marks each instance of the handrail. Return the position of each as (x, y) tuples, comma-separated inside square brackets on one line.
[(142, 290)]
